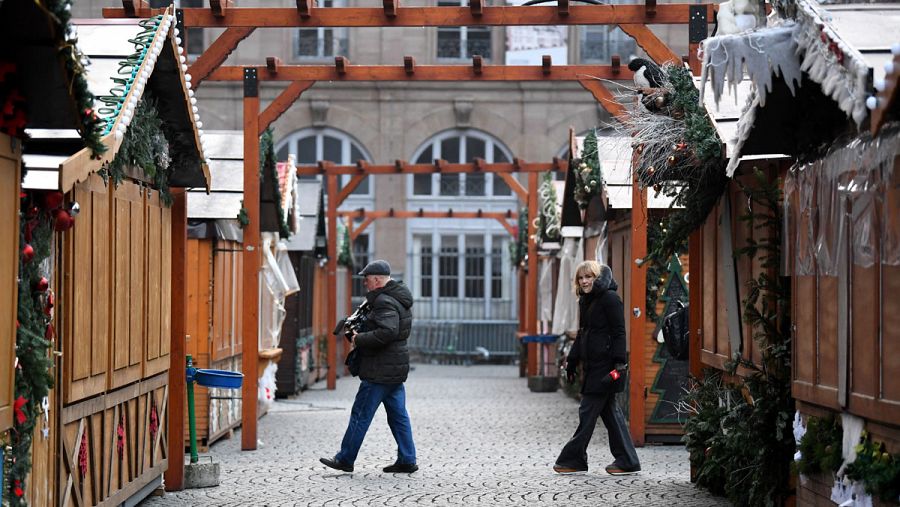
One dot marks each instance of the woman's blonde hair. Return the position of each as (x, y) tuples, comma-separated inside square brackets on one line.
[(586, 267)]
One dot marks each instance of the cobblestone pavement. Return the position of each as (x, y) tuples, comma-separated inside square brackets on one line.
[(482, 438)]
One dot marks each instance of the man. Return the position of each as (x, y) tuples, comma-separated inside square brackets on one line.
[(384, 366)]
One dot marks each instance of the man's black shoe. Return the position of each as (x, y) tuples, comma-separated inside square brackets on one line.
[(337, 465), (401, 468)]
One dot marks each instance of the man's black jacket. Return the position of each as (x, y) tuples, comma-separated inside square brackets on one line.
[(600, 344), (382, 346)]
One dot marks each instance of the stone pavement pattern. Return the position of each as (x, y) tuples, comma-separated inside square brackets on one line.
[(482, 438)]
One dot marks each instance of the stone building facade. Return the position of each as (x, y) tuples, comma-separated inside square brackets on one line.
[(442, 260)]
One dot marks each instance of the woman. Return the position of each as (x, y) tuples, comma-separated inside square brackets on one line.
[(600, 348)]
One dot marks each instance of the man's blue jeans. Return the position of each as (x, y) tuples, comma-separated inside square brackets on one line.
[(369, 396)]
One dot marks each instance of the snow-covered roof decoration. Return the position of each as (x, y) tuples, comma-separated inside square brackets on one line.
[(615, 165), (127, 57), (844, 49), (225, 149)]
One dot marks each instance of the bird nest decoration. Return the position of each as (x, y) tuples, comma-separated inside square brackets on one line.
[(679, 152)]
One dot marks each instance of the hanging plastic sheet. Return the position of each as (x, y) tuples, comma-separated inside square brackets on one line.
[(849, 195), (283, 259), (565, 312), (545, 291)]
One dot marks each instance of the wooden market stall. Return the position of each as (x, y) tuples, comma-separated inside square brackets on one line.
[(120, 270), (10, 176), (839, 165), (214, 286), (300, 338)]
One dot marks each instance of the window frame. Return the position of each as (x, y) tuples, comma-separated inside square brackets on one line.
[(347, 140)]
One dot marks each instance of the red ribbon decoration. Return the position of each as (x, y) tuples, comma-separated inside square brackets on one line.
[(17, 408)]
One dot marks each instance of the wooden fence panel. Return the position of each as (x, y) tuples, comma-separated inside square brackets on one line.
[(165, 283), (223, 301), (9, 268), (128, 273), (87, 266)]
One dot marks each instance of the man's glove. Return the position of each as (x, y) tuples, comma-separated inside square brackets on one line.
[(570, 376), (616, 373)]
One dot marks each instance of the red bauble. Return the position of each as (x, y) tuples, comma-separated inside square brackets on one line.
[(62, 220), (53, 200), (27, 253), (42, 284)]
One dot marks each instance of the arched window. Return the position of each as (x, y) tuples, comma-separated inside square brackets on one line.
[(460, 146), (314, 144)]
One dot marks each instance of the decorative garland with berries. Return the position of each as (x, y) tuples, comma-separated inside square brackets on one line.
[(588, 174), (41, 214)]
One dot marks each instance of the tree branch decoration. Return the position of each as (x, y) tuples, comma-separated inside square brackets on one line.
[(518, 249), (548, 218), (739, 433), (345, 258), (144, 147), (680, 155), (588, 174)]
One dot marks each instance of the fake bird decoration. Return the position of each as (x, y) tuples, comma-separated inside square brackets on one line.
[(736, 16), (646, 73)]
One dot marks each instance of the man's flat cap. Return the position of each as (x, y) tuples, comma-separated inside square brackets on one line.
[(378, 267)]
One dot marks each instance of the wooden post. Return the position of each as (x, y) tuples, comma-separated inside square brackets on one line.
[(636, 311), (250, 327), (695, 291), (331, 318), (174, 475), (348, 297), (532, 279)]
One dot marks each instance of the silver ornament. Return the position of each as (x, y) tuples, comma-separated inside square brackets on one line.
[(74, 209)]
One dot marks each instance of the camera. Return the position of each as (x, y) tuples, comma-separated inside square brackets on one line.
[(355, 323)]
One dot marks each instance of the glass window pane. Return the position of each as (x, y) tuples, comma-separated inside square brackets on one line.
[(500, 186), (499, 156), (427, 256), (449, 184), (475, 184), (306, 150), (282, 153), (450, 150), (478, 42), (475, 148), (425, 156), (308, 42), (449, 43), (331, 149), (497, 267), (448, 268), (422, 184)]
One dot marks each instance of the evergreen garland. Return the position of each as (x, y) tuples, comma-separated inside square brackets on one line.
[(144, 147), (548, 218), (269, 169), (820, 446), (740, 434), (345, 258), (588, 174), (33, 374), (243, 217), (518, 249), (878, 470)]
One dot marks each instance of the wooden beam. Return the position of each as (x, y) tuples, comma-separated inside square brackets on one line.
[(219, 7), (606, 99), (478, 65), (282, 102), (174, 474), (562, 8), (390, 7), (476, 7), (409, 65), (546, 64), (134, 8), (305, 8), (343, 71), (272, 64), (403, 167), (251, 261), (362, 227), (375, 214), (656, 49), (536, 15), (217, 53), (650, 8), (350, 187), (514, 184), (615, 63), (510, 228), (531, 280), (331, 218), (635, 311), (695, 297)]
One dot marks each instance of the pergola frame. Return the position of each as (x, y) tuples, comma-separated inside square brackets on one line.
[(240, 22)]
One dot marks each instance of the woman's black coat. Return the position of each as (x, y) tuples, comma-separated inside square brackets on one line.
[(600, 344)]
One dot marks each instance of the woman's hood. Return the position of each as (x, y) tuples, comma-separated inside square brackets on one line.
[(604, 281)]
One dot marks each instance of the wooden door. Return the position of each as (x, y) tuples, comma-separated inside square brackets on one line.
[(87, 269), (9, 269)]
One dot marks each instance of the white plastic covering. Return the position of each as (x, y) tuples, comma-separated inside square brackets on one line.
[(273, 288), (545, 291), (565, 312)]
